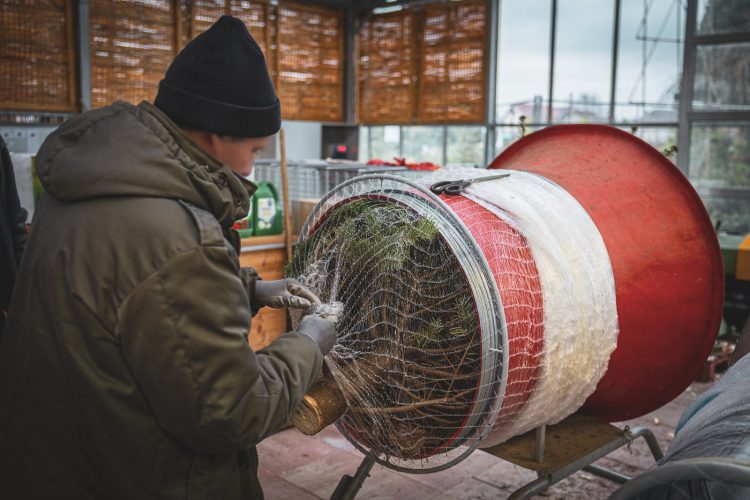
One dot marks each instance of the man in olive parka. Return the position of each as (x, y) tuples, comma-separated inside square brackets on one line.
[(125, 370)]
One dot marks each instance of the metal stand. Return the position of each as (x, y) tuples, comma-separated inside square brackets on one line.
[(577, 442), (349, 486)]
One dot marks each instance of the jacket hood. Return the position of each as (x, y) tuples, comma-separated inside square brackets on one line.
[(126, 150)]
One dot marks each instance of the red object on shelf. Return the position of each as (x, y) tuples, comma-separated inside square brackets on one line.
[(401, 162), (665, 256), (378, 161)]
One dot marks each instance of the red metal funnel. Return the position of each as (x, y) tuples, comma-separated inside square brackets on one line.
[(664, 252)]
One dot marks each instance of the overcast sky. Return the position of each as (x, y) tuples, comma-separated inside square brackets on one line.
[(584, 49)]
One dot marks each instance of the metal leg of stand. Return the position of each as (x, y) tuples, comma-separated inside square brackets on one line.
[(605, 439), (533, 488), (608, 474), (632, 435), (543, 481), (349, 486), (541, 433), (648, 436)]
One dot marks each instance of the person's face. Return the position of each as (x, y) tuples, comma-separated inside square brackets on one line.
[(238, 153)]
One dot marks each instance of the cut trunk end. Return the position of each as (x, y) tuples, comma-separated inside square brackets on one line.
[(323, 404)]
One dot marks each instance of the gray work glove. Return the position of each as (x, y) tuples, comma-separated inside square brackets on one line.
[(284, 293), (321, 329)]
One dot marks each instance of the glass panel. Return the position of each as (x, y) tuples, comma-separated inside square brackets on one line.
[(662, 138), (364, 144), (423, 144), (649, 61), (730, 215), (505, 136), (720, 155), (720, 159), (466, 146), (523, 60), (722, 77), (723, 16), (583, 61), (384, 142)]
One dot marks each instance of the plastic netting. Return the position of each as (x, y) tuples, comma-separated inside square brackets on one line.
[(517, 278), (580, 326), (467, 319), (408, 354), (416, 360)]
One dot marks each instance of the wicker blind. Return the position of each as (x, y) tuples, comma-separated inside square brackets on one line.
[(132, 42), (310, 78), (424, 65), (307, 71), (452, 79), (198, 15), (131, 46), (259, 17), (37, 67), (387, 69)]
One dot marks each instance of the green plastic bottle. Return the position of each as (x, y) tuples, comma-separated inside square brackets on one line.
[(245, 226), (36, 184), (266, 210)]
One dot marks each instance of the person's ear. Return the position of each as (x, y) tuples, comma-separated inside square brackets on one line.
[(205, 140), (216, 143)]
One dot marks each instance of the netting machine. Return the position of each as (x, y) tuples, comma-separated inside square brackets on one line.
[(587, 280)]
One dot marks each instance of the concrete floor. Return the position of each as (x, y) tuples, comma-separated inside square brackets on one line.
[(298, 467)]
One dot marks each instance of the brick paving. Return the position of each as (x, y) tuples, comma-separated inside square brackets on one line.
[(294, 466)]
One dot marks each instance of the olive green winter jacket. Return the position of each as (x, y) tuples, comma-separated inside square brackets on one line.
[(125, 371)]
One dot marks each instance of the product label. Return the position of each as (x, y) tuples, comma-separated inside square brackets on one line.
[(266, 213)]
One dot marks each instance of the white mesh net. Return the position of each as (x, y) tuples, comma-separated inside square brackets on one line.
[(578, 293)]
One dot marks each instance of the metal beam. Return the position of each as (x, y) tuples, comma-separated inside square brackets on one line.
[(718, 116), (493, 14), (712, 192), (552, 40), (686, 89), (722, 38), (615, 124), (385, 3), (615, 52), (400, 140), (333, 3), (445, 145), (350, 63), (83, 63)]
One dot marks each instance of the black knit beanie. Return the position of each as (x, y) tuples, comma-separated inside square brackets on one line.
[(219, 83)]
